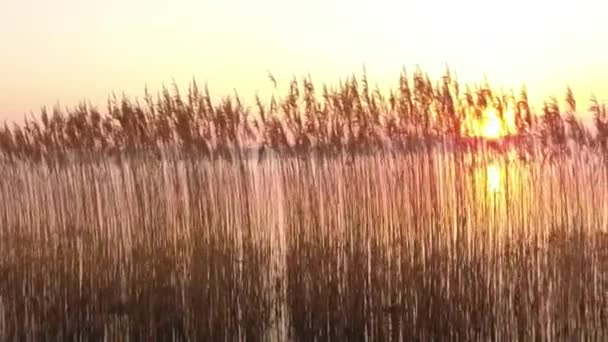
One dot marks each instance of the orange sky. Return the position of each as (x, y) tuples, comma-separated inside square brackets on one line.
[(68, 50)]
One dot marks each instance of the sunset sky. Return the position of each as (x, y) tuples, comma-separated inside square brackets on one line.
[(65, 51)]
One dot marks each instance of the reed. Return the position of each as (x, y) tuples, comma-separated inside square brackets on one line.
[(362, 218), (350, 116)]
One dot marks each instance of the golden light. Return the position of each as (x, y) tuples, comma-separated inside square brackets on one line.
[(492, 126), (493, 174), (509, 119)]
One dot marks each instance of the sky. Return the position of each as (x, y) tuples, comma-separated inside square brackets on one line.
[(66, 51)]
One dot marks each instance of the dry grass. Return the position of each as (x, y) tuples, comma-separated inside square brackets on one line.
[(364, 220), (349, 117), (382, 246)]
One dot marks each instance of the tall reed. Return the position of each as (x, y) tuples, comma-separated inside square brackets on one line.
[(346, 216), (382, 246)]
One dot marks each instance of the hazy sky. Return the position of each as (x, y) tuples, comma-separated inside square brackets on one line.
[(68, 50)]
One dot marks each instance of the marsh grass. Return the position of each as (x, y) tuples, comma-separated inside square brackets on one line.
[(381, 246), (348, 117), (349, 216)]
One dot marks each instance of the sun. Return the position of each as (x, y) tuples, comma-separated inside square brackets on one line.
[(492, 127)]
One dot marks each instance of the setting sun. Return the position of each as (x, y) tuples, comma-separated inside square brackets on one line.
[(489, 126), (492, 126)]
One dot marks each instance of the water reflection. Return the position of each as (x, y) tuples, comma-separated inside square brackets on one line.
[(494, 177)]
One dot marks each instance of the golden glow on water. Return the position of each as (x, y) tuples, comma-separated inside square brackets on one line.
[(494, 177)]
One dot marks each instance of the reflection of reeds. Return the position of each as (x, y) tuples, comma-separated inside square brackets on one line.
[(351, 116), (387, 246)]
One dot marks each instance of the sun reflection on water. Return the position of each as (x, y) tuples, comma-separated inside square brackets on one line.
[(493, 173)]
